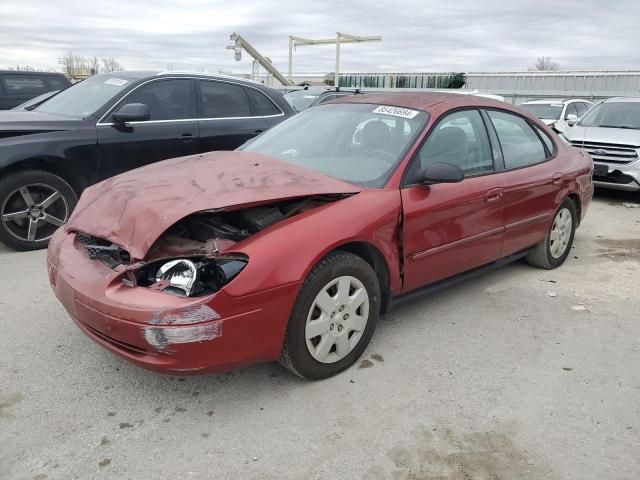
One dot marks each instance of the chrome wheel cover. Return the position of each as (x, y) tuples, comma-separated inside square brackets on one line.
[(337, 319), (560, 234)]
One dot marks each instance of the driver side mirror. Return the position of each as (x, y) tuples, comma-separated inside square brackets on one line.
[(132, 112), (441, 173), (572, 119)]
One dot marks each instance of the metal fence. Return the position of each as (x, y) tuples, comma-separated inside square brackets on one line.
[(592, 85), (515, 87), (402, 80)]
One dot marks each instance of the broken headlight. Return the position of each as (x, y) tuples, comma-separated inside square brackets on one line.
[(191, 276)]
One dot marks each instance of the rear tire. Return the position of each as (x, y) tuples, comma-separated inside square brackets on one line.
[(333, 318), (33, 204), (556, 247)]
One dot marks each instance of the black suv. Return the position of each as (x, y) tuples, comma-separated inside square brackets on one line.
[(17, 87), (111, 123)]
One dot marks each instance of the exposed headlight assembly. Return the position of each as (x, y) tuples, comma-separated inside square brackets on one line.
[(191, 276)]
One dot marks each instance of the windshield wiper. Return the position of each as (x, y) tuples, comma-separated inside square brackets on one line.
[(627, 127)]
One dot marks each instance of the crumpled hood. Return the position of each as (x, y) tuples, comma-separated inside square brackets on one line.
[(133, 209), (622, 136)]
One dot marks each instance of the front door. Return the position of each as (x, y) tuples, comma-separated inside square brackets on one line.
[(452, 228), (171, 131)]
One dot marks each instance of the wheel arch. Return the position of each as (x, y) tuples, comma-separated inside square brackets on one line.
[(575, 198), (374, 257), (54, 165)]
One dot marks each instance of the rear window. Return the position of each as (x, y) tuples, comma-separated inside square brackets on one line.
[(264, 106), (547, 141), (57, 83), (25, 85)]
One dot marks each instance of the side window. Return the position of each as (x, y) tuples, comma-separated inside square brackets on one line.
[(520, 144), (263, 105), (223, 100), (460, 139), (166, 99), (23, 85), (56, 84), (571, 110), (547, 141), (582, 108)]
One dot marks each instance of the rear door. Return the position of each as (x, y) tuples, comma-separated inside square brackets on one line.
[(532, 180), (171, 131), (451, 228), (227, 116)]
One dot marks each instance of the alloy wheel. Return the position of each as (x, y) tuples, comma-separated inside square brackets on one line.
[(33, 212)]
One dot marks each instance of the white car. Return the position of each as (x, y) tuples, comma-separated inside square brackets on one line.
[(610, 133), (558, 114)]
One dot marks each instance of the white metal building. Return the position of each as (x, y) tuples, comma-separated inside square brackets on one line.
[(516, 87)]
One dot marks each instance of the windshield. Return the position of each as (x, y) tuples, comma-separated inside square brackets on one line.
[(84, 98), (613, 115), (302, 99), (544, 110), (358, 143), (31, 104)]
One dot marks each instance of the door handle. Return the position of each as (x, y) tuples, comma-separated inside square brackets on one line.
[(187, 137), (258, 132), (493, 195), (557, 178)]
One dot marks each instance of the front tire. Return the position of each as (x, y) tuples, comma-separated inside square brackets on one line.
[(33, 204), (333, 318), (556, 247)]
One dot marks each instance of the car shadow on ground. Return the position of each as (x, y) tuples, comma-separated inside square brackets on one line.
[(617, 197)]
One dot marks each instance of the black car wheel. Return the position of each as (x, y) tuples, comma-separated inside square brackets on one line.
[(333, 318), (33, 204), (555, 248)]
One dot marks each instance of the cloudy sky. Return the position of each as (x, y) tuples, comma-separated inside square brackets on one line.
[(421, 35)]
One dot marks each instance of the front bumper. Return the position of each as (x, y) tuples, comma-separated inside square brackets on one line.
[(163, 332), (619, 177)]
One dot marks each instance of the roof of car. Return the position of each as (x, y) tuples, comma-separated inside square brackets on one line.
[(140, 74), (421, 100), (555, 101), (25, 72), (544, 102)]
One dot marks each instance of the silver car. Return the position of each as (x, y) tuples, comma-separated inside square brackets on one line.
[(558, 114), (610, 133)]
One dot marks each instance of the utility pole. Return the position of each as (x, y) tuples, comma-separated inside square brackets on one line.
[(340, 38)]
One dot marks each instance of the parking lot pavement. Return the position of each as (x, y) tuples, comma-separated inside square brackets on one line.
[(522, 373)]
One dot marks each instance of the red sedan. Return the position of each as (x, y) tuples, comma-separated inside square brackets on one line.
[(291, 247)]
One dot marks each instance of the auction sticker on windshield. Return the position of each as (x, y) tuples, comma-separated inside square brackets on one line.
[(116, 81), (396, 111)]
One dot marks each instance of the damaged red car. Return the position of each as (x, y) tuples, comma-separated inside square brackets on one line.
[(291, 247)]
